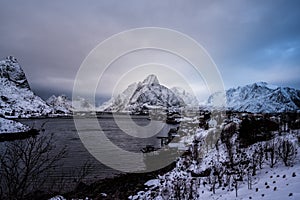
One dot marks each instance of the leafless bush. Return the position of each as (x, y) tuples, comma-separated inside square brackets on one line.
[(271, 155), (287, 151), (25, 163)]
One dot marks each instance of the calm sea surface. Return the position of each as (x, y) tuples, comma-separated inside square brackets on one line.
[(65, 134)]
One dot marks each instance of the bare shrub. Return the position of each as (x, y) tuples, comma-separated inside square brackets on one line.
[(271, 155), (287, 152), (25, 164)]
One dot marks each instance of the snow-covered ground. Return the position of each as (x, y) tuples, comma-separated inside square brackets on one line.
[(10, 126), (272, 184), (276, 183)]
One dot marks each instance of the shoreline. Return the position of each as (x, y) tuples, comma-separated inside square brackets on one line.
[(5, 137), (118, 187)]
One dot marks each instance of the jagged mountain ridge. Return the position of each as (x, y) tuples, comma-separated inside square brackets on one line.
[(16, 97), (82, 104), (261, 98), (63, 105), (188, 98), (60, 104), (147, 93)]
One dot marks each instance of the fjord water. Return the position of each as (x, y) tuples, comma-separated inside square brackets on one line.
[(65, 134)]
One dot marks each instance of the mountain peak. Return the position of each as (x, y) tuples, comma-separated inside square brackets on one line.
[(12, 59), (13, 72), (265, 84), (151, 79), (261, 83), (142, 95)]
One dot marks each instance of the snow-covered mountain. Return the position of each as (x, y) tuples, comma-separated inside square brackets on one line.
[(147, 93), (60, 104), (82, 104), (188, 98), (63, 105), (261, 97), (16, 97)]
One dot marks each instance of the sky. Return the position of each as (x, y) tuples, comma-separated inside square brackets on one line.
[(249, 41)]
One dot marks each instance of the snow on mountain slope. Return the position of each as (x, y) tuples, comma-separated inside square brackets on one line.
[(119, 103), (188, 99), (63, 105), (81, 104), (16, 98), (11, 70), (10, 126), (146, 93), (261, 97), (60, 104)]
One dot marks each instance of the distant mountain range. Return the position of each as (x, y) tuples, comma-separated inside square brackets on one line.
[(63, 105), (261, 97), (17, 99), (60, 104)]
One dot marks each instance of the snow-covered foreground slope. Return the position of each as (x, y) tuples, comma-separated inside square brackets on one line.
[(10, 126), (248, 175), (16, 98), (272, 184), (262, 97), (148, 93)]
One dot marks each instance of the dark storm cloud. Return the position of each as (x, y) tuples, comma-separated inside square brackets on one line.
[(249, 40)]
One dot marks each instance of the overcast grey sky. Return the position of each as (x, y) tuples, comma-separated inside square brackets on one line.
[(248, 40)]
